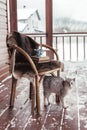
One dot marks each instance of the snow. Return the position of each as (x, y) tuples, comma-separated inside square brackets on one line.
[(53, 119), (68, 117), (21, 26), (24, 14)]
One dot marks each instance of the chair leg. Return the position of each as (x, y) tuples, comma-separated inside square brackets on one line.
[(31, 89), (32, 97), (37, 95), (58, 73), (57, 97), (13, 92)]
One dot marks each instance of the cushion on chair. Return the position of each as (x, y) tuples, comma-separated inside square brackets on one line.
[(49, 66), (25, 67)]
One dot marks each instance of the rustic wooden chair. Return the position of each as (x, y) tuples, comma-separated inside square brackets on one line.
[(21, 48)]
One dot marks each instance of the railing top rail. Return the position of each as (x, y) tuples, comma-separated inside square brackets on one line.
[(35, 34), (71, 33), (57, 33), (60, 34)]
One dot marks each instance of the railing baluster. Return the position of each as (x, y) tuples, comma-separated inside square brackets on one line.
[(63, 49), (56, 44), (77, 46), (64, 36), (35, 38), (70, 46), (84, 46), (41, 41)]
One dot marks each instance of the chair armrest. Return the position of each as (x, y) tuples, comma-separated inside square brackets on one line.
[(26, 56), (49, 47)]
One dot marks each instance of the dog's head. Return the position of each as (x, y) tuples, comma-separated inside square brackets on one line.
[(67, 84)]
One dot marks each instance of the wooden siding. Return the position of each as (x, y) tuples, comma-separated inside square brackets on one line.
[(4, 68)]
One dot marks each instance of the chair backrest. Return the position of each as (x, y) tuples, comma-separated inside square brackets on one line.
[(17, 60), (24, 42)]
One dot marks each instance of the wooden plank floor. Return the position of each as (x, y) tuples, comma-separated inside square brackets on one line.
[(53, 117)]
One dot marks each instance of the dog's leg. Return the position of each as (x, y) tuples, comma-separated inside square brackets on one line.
[(63, 104), (62, 101), (57, 99), (46, 100)]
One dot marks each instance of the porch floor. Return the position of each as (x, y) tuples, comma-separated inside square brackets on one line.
[(52, 117)]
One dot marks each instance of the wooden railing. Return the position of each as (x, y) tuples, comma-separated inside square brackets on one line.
[(39, 37), (70, 46)]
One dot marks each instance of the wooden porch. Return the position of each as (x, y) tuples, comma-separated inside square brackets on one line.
[(52, 117)]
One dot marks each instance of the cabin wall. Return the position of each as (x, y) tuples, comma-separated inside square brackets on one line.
[(4, 68)]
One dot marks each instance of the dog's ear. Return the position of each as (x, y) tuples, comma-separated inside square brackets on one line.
[(73, 79), (63, 83)]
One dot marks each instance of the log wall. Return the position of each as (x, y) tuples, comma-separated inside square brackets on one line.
[(4, 68)]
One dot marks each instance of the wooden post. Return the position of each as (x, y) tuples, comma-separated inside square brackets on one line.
[(13, 15), (49, 25)]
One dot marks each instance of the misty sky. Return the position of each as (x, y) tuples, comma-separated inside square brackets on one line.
[(75, 9), (71, 8)]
